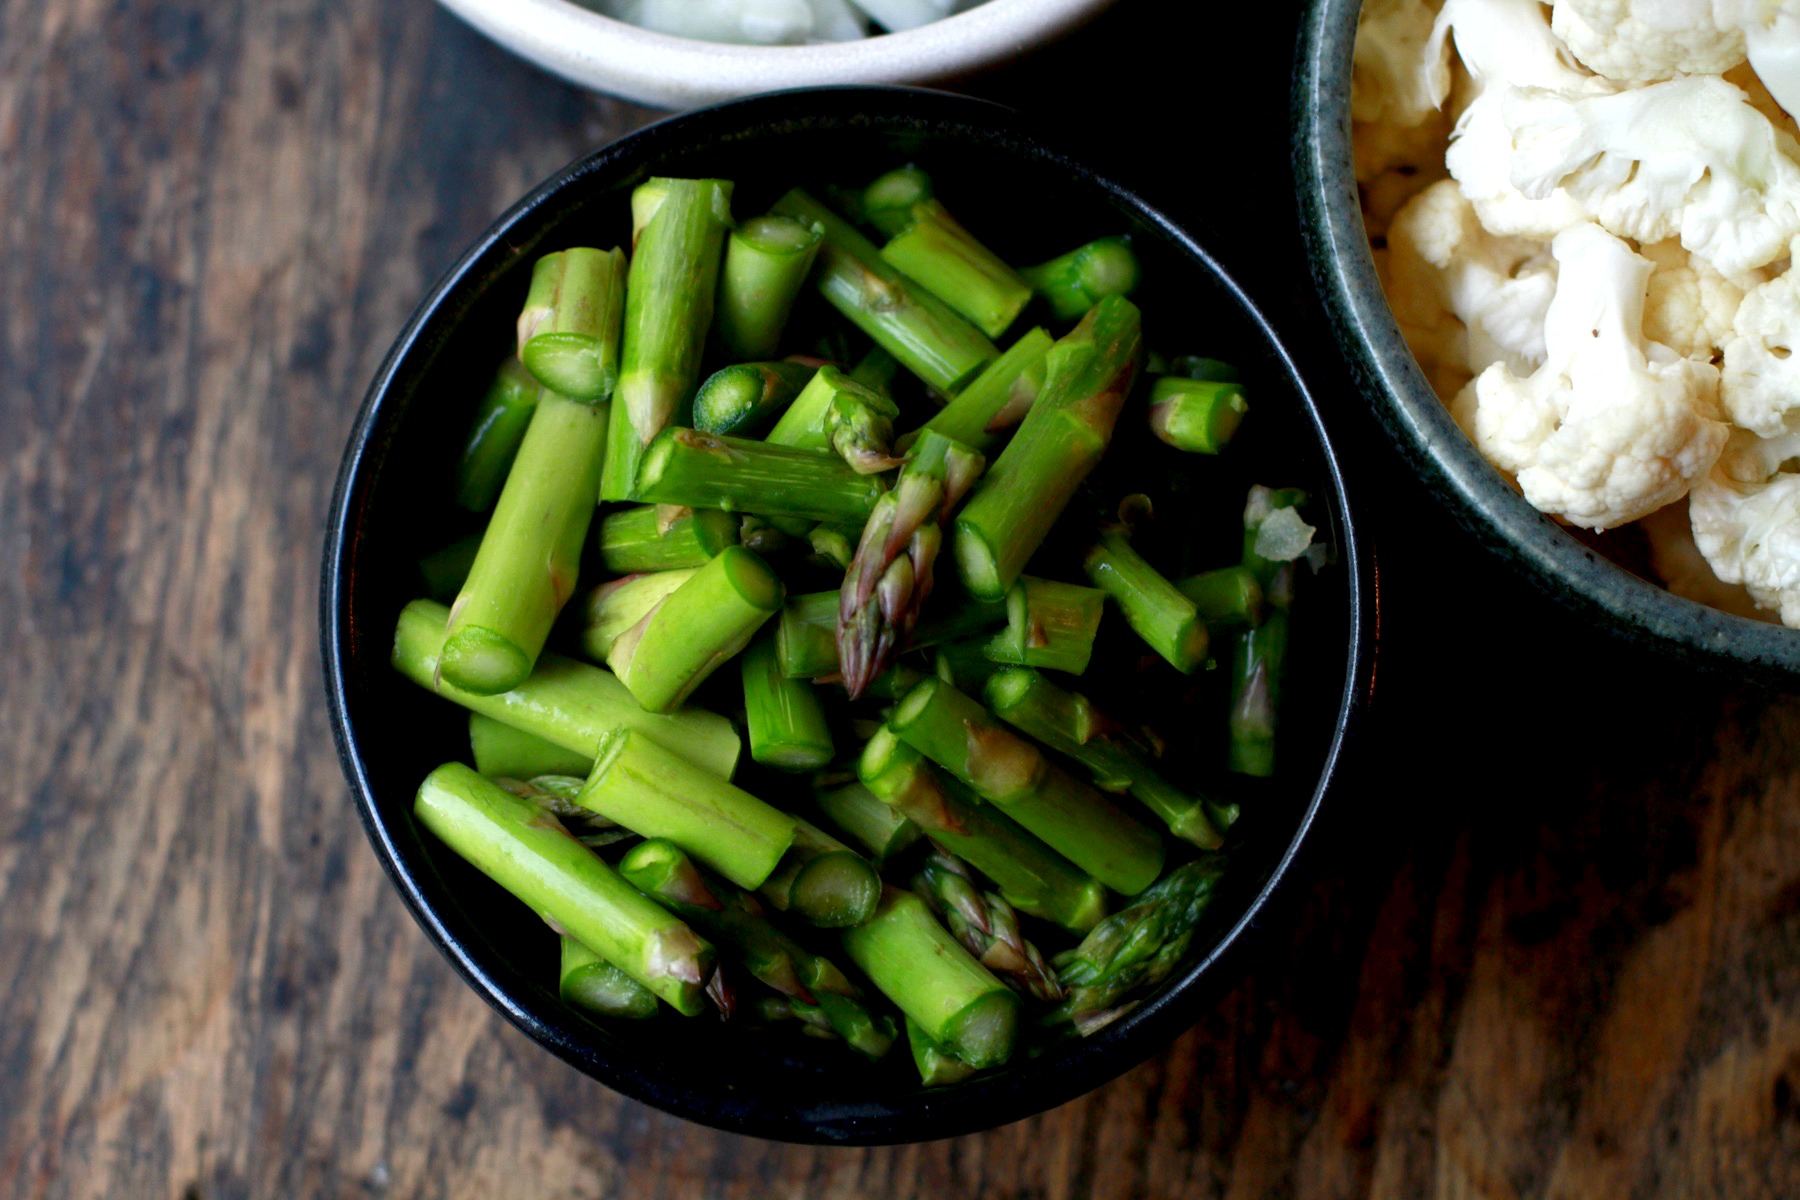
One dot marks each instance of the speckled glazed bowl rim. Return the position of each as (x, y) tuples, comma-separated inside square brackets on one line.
[(1429, 437), (986, 1101), (611, 56)]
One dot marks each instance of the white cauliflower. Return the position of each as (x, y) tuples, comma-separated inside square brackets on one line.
[(1643, 41), (1392, 79), (1608, 429), (1677, 561), (1757, 95), (1690, 306), (1690, 157), (1760, 383), (1746, 519), (1771, 31)]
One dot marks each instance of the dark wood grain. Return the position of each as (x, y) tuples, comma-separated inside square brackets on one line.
[(1553, 950)]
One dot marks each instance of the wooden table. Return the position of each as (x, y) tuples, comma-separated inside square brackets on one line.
[(1555, 951)]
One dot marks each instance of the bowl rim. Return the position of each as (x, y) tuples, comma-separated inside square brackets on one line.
[(1427, 435), (593, 50), (990, 1100)]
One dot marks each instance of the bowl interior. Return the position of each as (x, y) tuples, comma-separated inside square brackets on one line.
[(1421, 425), (1026, 201)]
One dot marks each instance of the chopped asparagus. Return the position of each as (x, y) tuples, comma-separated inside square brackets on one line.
[(784, 717), (938, 253), (998, 398), (662, 537), (614, 608), (835, 412), (887, 203), (702, 470), (822, 881), (590, 982), (1196, 415), (986, 925), (1074, 282), (568, 334), (766, 262), (501, 750), (1048, 624), (742, 398), (1229, 598), (494, 435), (1153, 607), (878, 827), (1257, 661)]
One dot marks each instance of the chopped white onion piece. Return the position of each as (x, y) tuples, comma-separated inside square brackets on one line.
[(1283, 536)]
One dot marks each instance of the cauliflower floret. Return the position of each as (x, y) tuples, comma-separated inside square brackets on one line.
[(1688, 157), (1685, 571), (1772, 40), (1393, 79), (1757, 96), (1498, 289), (1502, 43), (1642, 41), (1607, 429), (1394, 163), (1690, 306), (1760, 384), (1746, 518)]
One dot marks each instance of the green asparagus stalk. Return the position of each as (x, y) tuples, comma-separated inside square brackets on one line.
[(928, 337), (890, 577), (500, 750), (773, 1009), (654, 792), (695, 629), (998, 398), (761, 537), (806, 634), (835, 412), (742, 398), (1087, 376), (564, 701), (1074, 282), (704, 471), (662, 537), (964, 664), (1048, 624), (613, 609), (1200, 416), (1153, 607), (1069, 724), (1072, 818), (526, 851), (879, 828), (785, 719), (888, 202), (443, 571), (822, 881), (1257, 661), (937, 1066), (1229, 598), (526, 567), (556, 795), (766, 262), (1033, 878), (986, 925), (877, 369), (832, 546), (938, 253), (494, 436), (910, 958), (569, 329), (590, 982), (668, 309), (1135, 949)]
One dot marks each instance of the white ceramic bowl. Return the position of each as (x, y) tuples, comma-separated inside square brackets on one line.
[(656, 68)]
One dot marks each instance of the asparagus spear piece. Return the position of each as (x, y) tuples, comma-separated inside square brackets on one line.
[(530, 552), (998, 398), (702, 470), (614, 608), (556, 795), (806, 634), (890, 577), (1048, 624), (937, 252), (1087, 376), (565, 701), (695, 628), (830, 544), (1153, 607), (1074, 282), (928, 337), (1069, 724), (654, 792), (494, 436), (590, 982), (964, 664), (443, 571), (569, 330), (887, 203), (881, 829), (835, 412), (1135, 949), (823, 881), (877, 369), (742, 398), (1258, 656), (1200, 416), (766, 262), (785, 719), (1228, 598), (668, 309), (1072, 818), (526, 851), (986, 925), (937, 1066), (910, 958), (662, 537), (1033, 878), (501, 750)]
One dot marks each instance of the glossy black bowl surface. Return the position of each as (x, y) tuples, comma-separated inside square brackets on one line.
[(390, 504), (1480, 497)]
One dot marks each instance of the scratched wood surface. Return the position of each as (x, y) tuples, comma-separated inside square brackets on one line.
[(1554, 949)]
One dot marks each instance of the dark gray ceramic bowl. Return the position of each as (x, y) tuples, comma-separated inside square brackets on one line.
[(1481, 498), (390, 502)]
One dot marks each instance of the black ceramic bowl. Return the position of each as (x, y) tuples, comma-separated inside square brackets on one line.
[(390, 504), (1480, 497)]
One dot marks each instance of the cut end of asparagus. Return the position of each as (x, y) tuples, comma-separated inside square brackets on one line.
[(835, 891), (977, 564), (752, 578), (982, 1034), (575, 365), (482, 661)]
